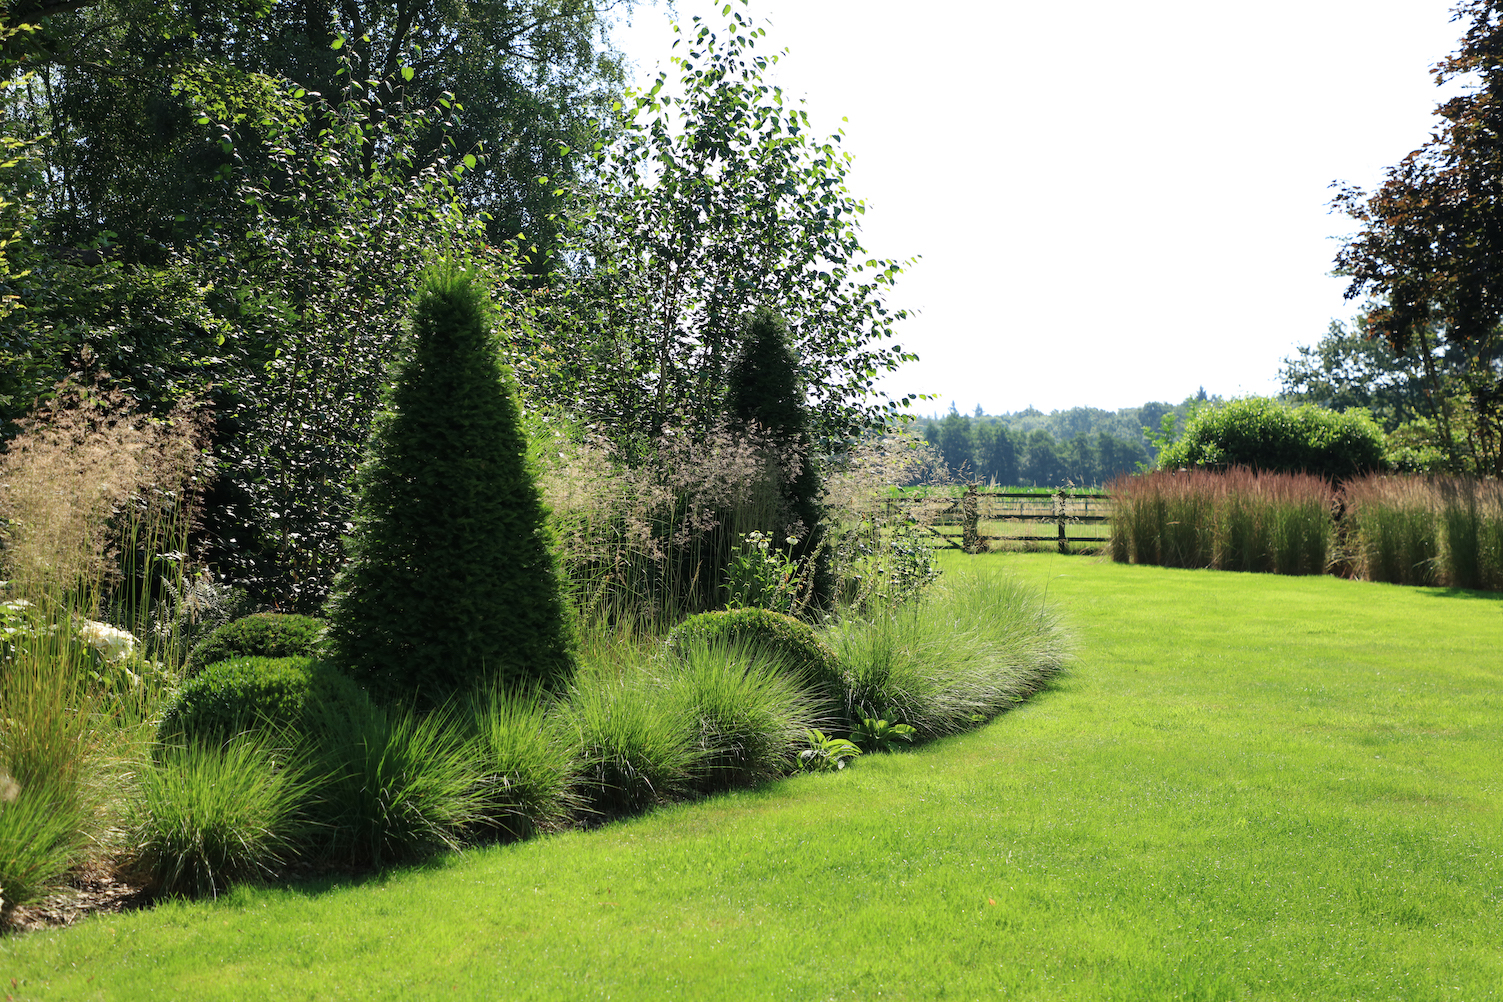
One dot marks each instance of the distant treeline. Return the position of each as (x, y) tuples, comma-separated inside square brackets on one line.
[(1082, 445)]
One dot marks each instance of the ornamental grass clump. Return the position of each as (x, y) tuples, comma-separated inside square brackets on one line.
[(749, 710), (638, 739), (1235, 519), (1392, 532), (206, 816), (1426, 530), (57, 767), (391, 784), (527, 763), (452, 579), (95, 504), (1472, 527), (973, 647), (776, 638)]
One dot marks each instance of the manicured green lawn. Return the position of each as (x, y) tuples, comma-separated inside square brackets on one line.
[(1247, 787)]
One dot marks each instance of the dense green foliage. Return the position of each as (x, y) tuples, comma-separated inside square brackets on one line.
[(234, 203), (699, 207), (451, 580), (128, 153), (1272, 437), (787, 641), (284, 318), (1346, 370), (248, 693), (261, 634), (766, 396), (1419, 396), (1082, 446)]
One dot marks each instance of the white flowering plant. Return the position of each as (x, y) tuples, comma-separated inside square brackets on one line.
[(762, 577), (109, 643), (16, 624), (116, 664)]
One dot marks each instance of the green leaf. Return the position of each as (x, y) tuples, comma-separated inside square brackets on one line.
[(407, 72), (337, 44), (470, 161)]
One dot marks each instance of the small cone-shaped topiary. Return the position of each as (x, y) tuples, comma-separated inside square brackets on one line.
[(451, 577), (764, 389)]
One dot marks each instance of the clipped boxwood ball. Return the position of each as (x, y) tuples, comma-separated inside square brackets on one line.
[(791, 641), (262, 635), (229, 697)]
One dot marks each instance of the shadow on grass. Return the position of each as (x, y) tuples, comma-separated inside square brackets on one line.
[(312, 880), (1462, 593)]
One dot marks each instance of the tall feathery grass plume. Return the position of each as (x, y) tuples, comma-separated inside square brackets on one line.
[(97, 499), (643, 534), (1425, 530), (95, 509), (1235, 519), (881, 549)]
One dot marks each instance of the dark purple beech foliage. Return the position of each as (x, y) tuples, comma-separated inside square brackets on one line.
[(1430, 249)]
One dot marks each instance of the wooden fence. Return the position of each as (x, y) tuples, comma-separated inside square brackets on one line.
[(975, 507)]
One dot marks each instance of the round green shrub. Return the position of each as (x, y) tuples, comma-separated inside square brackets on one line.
[(264, 634), (1272, 437), (229, 697), (790, 641)]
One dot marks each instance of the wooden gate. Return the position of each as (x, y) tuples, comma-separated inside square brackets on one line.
[(1078, 519)]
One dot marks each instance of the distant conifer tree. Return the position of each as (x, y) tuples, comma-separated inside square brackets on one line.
[(451, 577), (764, 389)]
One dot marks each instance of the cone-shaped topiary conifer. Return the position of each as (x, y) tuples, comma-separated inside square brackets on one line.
[(451, 577), (764, 389)]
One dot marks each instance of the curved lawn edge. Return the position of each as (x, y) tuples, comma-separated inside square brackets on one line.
[(1252, 786)]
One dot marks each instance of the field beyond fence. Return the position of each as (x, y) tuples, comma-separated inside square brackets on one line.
[(975, 520)]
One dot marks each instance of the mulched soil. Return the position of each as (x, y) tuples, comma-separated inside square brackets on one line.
[(91, 892)]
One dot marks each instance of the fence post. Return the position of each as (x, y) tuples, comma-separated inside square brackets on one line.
[(1060, 500), (970, 513)]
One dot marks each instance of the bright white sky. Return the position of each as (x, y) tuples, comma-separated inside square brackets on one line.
[(1113, 202)]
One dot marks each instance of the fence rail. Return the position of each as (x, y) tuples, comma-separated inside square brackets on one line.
[(976, 506)]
